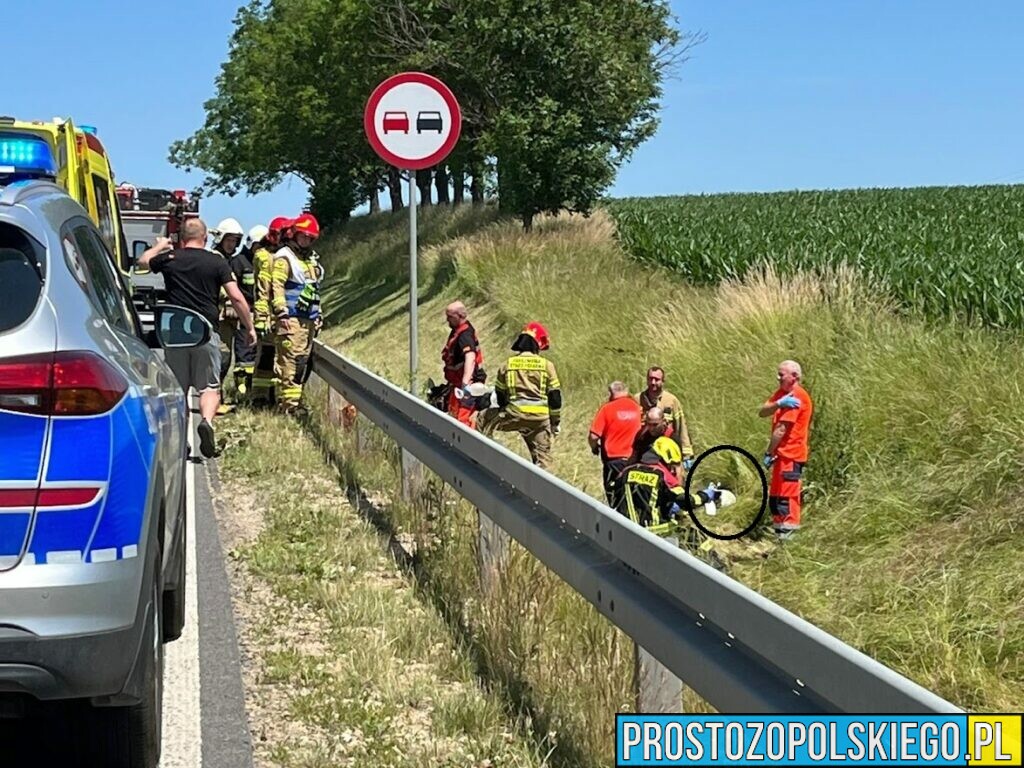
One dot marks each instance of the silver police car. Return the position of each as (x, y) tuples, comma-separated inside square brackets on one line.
[(93, 446)]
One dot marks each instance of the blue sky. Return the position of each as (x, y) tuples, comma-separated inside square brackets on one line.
[(783, 95), (840, 93)]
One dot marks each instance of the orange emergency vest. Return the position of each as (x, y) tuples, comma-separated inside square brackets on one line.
[(454, 358)]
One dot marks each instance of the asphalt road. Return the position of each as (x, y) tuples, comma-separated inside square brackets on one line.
[(204, 707), (204, 721)]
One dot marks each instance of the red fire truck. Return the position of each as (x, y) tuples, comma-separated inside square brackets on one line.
[(146, 214)]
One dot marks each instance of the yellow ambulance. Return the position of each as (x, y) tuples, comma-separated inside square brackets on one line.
[(76, 160)]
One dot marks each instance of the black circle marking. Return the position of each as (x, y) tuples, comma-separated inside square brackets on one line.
[(764, 492)]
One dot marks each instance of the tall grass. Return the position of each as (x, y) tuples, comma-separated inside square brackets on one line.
[(911, 543)]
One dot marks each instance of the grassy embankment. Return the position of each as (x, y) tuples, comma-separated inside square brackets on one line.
[(910, 550)]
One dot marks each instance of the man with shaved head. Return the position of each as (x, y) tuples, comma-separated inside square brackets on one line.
[(611, 436), (654, 426), (790, 409), (463, 363), (194, 277)]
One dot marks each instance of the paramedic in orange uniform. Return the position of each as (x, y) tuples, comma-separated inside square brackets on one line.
[(790, 409), (611, 436), (463, 363)]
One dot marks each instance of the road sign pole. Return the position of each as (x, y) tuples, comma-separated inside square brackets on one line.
[(413, 122), (412, 470), (413, 289)]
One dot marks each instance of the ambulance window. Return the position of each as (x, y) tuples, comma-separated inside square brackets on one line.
[(106, 218)]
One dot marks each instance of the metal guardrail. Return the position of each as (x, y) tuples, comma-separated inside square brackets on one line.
[(740, 651)]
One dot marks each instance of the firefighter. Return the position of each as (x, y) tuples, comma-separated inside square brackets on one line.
[(790, 409), (652, 495), (657, 396), (227, 236), (264, 378), (243, 268), (463, 364), (529, 395), (296, 306)]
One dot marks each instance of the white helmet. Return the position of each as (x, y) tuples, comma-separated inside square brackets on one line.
[(257, 233), (226, 227)]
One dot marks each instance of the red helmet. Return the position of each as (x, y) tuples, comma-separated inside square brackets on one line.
[(279, 224), (538, 332), (307, 224)]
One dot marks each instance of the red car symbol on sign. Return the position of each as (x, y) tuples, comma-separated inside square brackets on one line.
[(396, 121)]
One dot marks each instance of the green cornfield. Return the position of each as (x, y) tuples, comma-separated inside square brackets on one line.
[(947, 252)]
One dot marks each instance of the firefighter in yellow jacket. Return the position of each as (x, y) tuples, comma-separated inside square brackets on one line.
[(296, 306), (529, 396), (264, 379)]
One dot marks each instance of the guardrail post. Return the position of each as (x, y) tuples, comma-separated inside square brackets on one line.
[(492, 549), (657, 690), (335, 407), (412, 477)]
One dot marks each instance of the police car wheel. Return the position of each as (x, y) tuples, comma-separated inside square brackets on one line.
[(130, 737), (145, 718)]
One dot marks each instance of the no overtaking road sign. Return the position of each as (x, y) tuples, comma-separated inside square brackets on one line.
[(412, 121)]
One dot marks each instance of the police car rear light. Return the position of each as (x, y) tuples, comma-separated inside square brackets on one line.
[(67, 497), (61, 384), (23, 498), (85, 384), (25, 383)]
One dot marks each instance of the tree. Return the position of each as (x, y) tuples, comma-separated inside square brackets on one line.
[(559, 93), (289, 101), (554, 96)]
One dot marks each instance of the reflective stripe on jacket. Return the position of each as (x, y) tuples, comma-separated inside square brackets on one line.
[(527, 378), (262, 264), (296, 286)]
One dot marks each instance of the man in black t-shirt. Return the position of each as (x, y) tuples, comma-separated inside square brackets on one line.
[(193, 277)]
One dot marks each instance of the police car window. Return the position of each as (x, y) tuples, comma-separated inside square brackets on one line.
[(21, 277), (104, 287)]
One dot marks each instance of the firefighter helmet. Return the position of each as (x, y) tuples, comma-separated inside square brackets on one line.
[(279, 224), (307, 224), (257, 233), (667, 450), (539, 333), (227, 227)]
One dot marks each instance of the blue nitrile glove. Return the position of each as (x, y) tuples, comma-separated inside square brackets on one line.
[(688, 464), (674, 511), (788, 401), (712, 492), (768, 460)]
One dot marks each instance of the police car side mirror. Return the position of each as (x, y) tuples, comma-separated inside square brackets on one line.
[(179, 328)]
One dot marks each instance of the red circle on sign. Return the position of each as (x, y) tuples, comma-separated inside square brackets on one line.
[(411, 164)]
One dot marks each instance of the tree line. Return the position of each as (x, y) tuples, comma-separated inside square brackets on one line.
[(555, 96)]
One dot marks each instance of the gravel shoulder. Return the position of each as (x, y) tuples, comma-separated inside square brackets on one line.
[(343, 664)]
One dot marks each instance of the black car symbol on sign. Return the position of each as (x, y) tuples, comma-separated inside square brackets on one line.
[(429, 121)]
